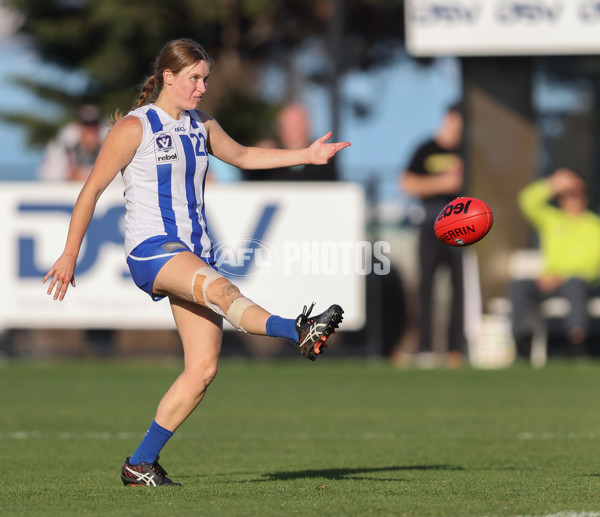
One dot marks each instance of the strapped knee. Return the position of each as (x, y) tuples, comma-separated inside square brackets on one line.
[(210, 275), (237, 307)]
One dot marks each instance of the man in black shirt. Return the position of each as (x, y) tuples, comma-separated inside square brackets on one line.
[(435, 176)]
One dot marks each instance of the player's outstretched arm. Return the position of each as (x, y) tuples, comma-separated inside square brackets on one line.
[(222, 146), (116, 153)]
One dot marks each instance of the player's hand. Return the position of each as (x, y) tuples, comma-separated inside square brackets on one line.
[(321, 152), (63, 274)]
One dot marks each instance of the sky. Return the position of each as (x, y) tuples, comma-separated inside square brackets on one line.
[(17, 161), (405, 100)]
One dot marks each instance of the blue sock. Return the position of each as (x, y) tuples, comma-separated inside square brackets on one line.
[(282, 327), (155, 439)]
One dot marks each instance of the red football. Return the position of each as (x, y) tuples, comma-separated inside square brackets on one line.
[(463, 221)]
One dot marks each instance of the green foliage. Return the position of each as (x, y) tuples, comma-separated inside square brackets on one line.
[(114, 42), (40, 130), (248, 119)]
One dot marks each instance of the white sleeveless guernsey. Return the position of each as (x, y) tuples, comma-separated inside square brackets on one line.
[(164, 183)]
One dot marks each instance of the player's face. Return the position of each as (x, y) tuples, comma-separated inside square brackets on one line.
[(189, 85)]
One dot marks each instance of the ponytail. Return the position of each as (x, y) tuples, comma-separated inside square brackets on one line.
[(148, 92), (113, 119)]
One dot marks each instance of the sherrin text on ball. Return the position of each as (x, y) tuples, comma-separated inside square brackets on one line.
[(463, 221)]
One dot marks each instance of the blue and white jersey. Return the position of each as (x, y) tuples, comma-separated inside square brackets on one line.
[(164, 183)]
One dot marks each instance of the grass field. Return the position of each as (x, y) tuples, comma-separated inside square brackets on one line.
[(291, 437)]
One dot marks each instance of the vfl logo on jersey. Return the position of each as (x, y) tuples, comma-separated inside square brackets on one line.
[(164, 149)]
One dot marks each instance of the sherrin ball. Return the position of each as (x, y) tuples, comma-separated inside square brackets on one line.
[(463, 221)]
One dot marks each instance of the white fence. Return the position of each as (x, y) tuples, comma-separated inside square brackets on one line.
[(299, 243)]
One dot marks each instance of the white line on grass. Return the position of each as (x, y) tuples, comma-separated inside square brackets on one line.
[(105, 435), (558, 436), (67, 435), (366, 436), (566, 514)]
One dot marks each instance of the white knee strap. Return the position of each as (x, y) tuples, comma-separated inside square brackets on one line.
[(210, 276), (236, 309)]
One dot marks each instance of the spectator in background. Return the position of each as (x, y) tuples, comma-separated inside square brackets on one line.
[(435, 176), (570, 245), (70, 156), (72, 153), (293, 132)]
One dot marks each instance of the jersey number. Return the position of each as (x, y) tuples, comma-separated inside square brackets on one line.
[(200, 143)]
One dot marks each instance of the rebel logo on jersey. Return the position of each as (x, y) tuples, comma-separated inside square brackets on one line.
[(164, 149)]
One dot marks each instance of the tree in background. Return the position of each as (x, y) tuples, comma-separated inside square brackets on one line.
[(113, 43)]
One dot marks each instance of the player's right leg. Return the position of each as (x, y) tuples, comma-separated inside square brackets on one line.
[(188, 278), (164, 266)]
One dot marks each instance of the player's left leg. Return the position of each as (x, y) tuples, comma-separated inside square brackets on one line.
[(201, 332)]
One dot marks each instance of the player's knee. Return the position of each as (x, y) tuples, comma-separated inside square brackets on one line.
[(227, 294), (208, 375), (227, 301), (201, 281), (201, 377)]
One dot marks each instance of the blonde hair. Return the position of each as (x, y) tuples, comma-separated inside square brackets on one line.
[(175, 56)]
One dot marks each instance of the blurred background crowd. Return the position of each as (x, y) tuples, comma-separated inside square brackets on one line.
[(285, 73)]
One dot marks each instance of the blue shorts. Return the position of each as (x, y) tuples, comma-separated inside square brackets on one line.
[(148, 258)]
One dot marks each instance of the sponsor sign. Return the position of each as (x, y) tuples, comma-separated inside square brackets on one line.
[(502, 27), (283, 247)]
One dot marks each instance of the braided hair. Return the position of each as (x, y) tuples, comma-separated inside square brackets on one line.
[(175, 56)]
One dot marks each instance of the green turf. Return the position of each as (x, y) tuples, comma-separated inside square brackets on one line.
[(292, 437)]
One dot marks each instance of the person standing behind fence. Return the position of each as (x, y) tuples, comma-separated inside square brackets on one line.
[(70, 156), (570, 245), (293, 132), (435, 176)]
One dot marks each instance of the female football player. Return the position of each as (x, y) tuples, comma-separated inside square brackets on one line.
[(161, 148)]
